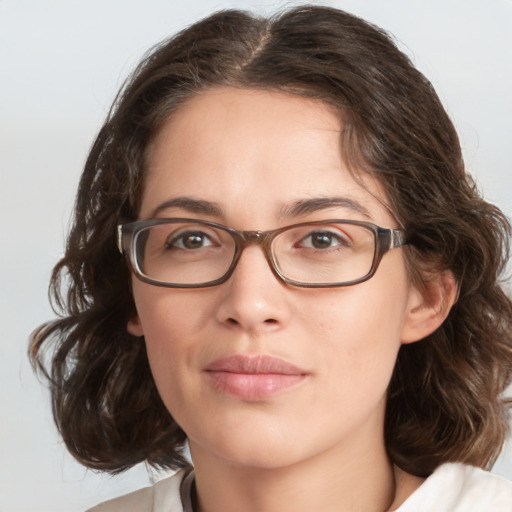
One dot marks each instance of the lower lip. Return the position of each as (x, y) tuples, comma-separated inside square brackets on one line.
[(253, 386)]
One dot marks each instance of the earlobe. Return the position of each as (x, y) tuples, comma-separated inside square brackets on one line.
[(429, 306), (134, 327)]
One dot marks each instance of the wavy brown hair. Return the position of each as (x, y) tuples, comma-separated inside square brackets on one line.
[(445, 399)]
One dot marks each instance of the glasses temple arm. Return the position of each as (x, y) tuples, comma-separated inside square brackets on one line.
[(119, 238), (397, 238)]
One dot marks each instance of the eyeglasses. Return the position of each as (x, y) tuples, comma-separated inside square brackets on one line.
[(191, 253)]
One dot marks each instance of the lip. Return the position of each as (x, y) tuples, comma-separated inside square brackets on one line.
[(253, 377)]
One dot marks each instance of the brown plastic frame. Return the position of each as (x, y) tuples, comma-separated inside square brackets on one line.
[(385, 240)]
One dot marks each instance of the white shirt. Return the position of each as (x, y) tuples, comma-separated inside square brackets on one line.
[(451, 488)]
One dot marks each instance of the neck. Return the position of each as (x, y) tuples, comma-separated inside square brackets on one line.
[(342, 480)]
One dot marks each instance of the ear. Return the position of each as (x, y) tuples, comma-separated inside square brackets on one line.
[(134, 326), (429, 306)]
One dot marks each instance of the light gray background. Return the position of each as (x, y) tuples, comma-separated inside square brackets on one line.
[(61, 62)]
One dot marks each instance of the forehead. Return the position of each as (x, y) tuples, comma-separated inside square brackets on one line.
[(216, 114), (249, 150)]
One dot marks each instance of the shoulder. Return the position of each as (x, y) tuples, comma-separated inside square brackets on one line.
[(461, 488), (164, 496)]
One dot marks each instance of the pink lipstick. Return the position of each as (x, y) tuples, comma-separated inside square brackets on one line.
[(253, 377)]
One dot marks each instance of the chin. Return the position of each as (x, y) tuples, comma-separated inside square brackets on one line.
[(247, 450)]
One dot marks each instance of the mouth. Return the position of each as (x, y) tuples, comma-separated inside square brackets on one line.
[(253, 377)]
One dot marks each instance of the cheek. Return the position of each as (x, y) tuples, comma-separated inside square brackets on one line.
[(353, 319), (171, 322), (165, 314), (357, 330)]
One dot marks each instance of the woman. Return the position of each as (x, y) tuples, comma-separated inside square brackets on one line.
[(278, 258)]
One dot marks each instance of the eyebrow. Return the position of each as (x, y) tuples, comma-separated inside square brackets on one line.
[(191, 205), (295, 209), (305, 206)]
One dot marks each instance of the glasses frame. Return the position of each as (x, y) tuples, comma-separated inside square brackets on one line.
[(385, 240)]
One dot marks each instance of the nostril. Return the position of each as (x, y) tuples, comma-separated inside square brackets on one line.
[(268, 321)]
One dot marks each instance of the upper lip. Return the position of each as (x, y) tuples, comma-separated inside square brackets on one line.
[(253, 364)]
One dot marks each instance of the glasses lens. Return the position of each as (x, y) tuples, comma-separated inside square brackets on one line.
[(184, 253), (325, 253)]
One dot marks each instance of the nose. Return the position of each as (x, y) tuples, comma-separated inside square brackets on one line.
[(254, 299)]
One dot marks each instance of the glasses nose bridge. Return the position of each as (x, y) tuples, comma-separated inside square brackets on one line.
[(261, 238)]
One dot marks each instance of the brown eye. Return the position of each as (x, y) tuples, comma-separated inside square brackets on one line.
[(189, 240), (322, 240)]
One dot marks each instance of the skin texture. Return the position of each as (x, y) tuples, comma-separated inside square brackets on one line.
[(317, 445)]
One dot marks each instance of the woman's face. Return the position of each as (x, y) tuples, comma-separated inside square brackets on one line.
[(246, 159)]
